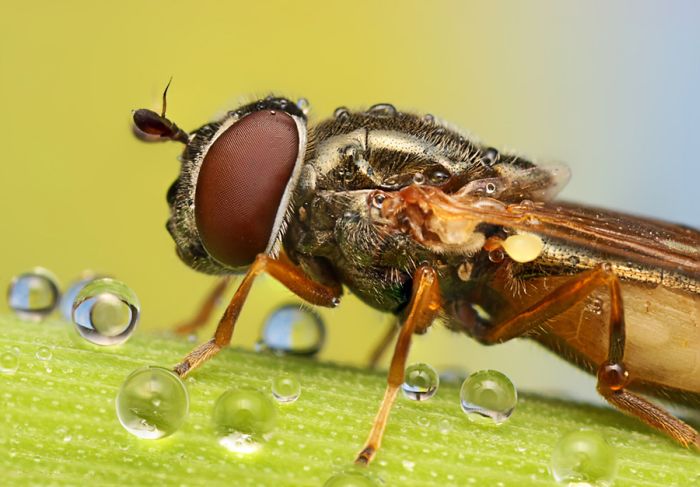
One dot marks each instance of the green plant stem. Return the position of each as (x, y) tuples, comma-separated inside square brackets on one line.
[(59, 427)]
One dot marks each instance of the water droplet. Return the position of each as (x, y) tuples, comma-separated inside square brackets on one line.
[(583, 456), (242, 419), (9, 361), (489, 157), (439, 176), (33, 295), (341, 114), (377, 199), (418, 178), (382, 110), (69, 296), (490, 188), (597, 306), (523, 247), (488, 396), (286, 388), (294, 330), (444, 426), (304, 105), (429, 118), (152, 403), (349, 479), (43, 353), (106, 312), (421, 382), (391, 182), (496, 255)]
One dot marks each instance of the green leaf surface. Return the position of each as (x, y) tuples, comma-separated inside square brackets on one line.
[(58, 425)]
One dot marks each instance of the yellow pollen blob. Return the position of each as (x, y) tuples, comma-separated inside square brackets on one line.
[(524, 247)]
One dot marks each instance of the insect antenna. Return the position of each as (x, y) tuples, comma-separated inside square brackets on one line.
[(152, 127)]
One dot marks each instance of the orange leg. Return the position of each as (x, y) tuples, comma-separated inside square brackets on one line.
[(282, 270), (424, 306), (612, 374), (204, 313)]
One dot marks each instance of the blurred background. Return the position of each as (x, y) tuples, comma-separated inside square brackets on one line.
[(610, 88)]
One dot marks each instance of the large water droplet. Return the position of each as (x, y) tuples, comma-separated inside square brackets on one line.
[(286, 388), (33, 295), (349, 479), (242, 418), (421, 382), (292, 330), (382, 110), (488, 396), (106, 312), (9, 361), (583, 457), (71, 293), (152, 403)]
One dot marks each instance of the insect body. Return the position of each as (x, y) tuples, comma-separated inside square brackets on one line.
[(422, 222)]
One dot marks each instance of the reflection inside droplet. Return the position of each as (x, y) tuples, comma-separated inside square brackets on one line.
[(292, 330)]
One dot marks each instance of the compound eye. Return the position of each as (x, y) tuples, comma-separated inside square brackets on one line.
[(241, 183)]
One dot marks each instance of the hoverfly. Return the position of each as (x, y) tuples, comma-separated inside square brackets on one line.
[(420, 221)]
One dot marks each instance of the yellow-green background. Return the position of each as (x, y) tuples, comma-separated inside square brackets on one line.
[(609, 87)]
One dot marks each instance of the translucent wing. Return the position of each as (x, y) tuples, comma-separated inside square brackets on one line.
[(434, 217)]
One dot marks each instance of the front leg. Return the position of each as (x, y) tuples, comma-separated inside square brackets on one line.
[(285, 272)]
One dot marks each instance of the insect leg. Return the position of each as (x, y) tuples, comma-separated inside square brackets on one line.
[(381, 347), (202, 316), (424, 306), (282, 270), (612, 375)]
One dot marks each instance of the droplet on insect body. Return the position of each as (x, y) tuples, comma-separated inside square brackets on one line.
[(286, 388), (33, 295), (304, 105), (242, 418), (292, 330), (585, 458), (382, 110), (106, 312), (9, 361), (421, 382), (488, 396), (523, 247), (152, 403), (341, 114), (349, 479)]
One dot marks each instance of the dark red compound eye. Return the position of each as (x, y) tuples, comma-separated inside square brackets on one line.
[(241, 183)]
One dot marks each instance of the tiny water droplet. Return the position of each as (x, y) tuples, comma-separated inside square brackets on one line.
[(304, 105), (382, 110), (9, 361), (294, 330), (349, 479), (43, 353), (421, 382), (286, 388), (429, 118), (418, 178), (33, 295), (488, 396), (496, 255), (439, 176), (106, 312), (391, 182), (152, 402), (378, 199), (341, 114), (444, 426), (583, 456), (490, 188), (489, 157), (597, 306), (464, 271), (242, 420)]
